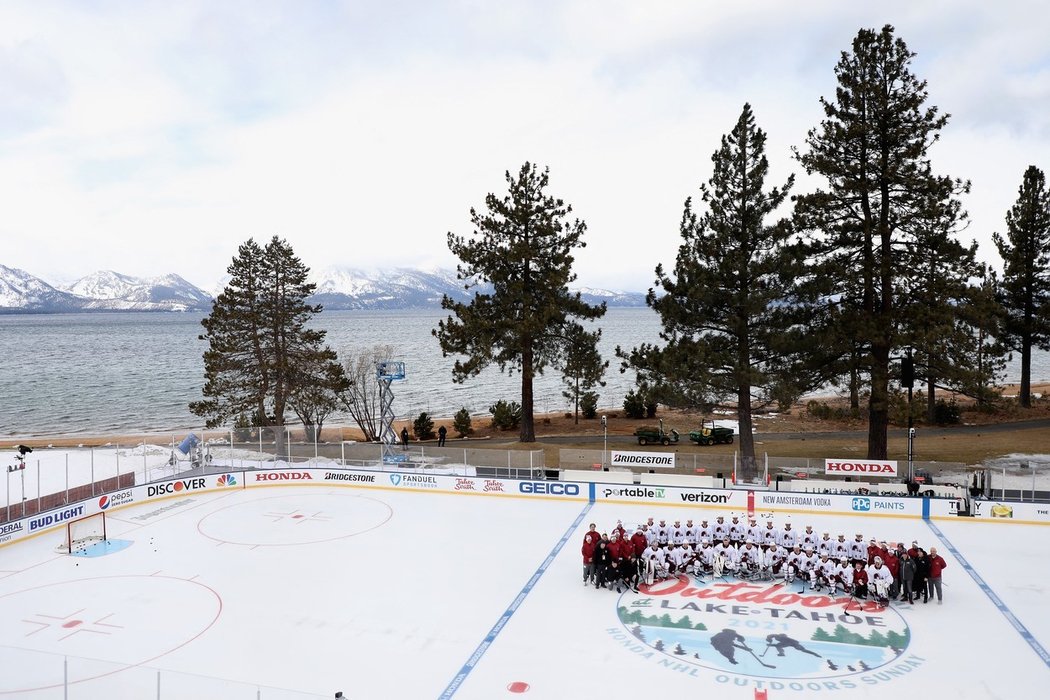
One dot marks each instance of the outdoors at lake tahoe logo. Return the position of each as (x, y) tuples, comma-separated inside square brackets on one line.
[(765, 635)]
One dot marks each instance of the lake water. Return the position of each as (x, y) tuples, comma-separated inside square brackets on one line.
[(131, 372)]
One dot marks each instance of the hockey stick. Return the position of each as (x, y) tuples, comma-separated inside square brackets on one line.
[(749, 651), (768, 645)]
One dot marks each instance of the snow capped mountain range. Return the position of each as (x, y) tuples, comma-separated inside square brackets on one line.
[(337, 289)]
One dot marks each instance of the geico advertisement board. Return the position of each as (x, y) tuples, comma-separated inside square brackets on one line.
[(838, 503), (644, 493)]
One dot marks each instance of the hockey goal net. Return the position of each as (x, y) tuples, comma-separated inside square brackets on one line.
[(82, 532)]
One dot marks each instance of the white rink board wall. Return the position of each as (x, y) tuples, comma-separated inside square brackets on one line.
[(994, 511), (759, 501), (714, 499)]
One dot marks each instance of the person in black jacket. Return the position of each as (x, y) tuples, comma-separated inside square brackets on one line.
[(922, 572), (628, 574), (907, 575), (602, 563)]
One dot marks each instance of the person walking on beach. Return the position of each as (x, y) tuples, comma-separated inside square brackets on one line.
[(404, 438), (442, 432)]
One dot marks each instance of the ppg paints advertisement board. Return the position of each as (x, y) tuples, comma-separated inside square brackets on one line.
[(787, 502)]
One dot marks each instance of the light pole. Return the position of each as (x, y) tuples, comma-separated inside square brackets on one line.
[(605, 440), (908, 380)]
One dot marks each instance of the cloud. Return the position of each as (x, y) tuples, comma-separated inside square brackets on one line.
[(151, 137)]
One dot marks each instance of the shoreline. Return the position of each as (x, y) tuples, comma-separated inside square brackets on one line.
[(587, 430)]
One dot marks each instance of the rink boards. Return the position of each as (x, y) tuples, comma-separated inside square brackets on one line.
[(467, 629)]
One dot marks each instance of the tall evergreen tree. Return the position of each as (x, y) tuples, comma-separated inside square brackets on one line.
[(937, 304), (872, 149), (522, 245), (582, 367), (260, 352), (725, 308), (1025, 289)]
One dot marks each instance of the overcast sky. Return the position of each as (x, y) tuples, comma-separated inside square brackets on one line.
[(149, 137)]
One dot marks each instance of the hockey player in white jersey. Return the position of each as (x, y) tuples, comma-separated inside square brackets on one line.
[(825, 545), (840, 548), (753, 532), (777, 557), (787, 538), (651, 536), (809, 538), (824, 574), (736, 531), (792, 564), (705, 532), (705, 558), (843, 576), (720, 529), (858, 551), (880, 579), (673, 557), (750, 560), (807, 564), (691, 531), (678, 533), (663, 532), (766, 562), (727, 554), (769, 535)]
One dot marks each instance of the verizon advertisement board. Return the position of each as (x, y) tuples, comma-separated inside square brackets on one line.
[(860, 468), (647, 460)]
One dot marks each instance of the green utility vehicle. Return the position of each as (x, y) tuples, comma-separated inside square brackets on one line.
[(711, 434), (655, 434)]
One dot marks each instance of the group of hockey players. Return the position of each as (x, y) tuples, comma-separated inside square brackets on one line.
[(753, 552)]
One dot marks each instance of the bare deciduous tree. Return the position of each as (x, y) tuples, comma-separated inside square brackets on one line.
[(361, 398)]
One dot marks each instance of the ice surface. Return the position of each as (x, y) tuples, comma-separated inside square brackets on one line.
[(389, 594)]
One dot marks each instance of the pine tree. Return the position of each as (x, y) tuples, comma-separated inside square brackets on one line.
[(724, 309), (872, 149), (582, 366), (461, 422), (260, 352), (1025, 290), (938, 305), (522, 245)]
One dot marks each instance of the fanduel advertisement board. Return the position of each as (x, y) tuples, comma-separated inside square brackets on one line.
[(860, 468), (647, 460)]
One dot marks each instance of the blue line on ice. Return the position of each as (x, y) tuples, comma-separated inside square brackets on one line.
[(996, 600), (472, 662)]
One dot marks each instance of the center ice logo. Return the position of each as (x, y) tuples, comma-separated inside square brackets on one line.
[(765, 630)]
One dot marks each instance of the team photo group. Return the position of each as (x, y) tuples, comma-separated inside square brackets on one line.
[(865, 570)]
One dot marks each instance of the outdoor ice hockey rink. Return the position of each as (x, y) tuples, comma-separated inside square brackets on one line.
[(390, 585)]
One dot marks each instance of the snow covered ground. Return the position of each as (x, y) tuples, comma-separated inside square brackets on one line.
[(382, 592)]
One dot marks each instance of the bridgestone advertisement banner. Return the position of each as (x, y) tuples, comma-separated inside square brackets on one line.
[(861, 468), (647, 460)]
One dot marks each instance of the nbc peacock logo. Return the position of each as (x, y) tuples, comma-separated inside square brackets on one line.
[(226, 480)]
